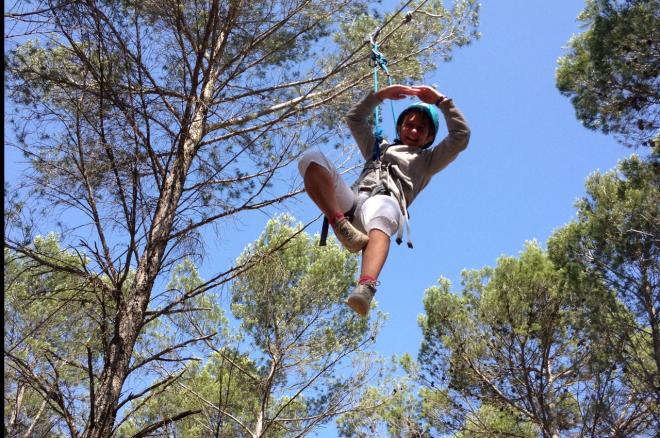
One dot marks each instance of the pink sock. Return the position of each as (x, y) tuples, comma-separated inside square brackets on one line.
[(332, 220), (366, 279)]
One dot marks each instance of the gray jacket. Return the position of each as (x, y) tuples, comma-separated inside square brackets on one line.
[(404, 171)]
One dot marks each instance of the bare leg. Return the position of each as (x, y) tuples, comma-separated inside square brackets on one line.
[(373, 259), (321, 189), (375, 253)]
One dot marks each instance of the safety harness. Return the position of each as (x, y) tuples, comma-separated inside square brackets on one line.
[(378, 61)]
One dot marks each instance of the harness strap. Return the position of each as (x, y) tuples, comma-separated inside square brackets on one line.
[(403, 205), (378, 60), (383, 188), (324, 231)]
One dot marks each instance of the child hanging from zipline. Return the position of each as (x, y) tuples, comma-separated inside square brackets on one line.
[(390, 181)]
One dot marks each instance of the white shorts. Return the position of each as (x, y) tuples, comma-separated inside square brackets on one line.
[(379, 212)]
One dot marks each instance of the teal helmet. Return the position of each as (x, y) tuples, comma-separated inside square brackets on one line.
[(431, 113)]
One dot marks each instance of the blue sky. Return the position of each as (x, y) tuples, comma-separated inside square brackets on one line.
[(518, 180), (523, 170)]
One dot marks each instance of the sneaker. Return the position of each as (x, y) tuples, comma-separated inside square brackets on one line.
[(350, 237), (360, 299)]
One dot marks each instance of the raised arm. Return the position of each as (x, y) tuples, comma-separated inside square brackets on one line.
[(358, 116), (458, 132)]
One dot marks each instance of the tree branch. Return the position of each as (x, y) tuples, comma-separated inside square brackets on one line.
[(158, 355), (157, 425)]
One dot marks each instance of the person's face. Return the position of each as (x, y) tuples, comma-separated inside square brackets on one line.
[(415, 130)]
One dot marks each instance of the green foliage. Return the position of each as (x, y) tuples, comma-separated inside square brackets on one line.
[(503, 356), (614, 243), (292, 287), (499, 422), (50, 321), (611, 72), (558, 342), (146, 123), (220, 387), (296, 359), (389, 409), (56, 322)]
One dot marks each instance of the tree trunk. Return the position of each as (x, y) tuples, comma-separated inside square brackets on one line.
[(130, 314), (649, 304)]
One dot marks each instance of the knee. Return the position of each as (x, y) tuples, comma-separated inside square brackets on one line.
[(383, 214), (385, 224), (309, 158)]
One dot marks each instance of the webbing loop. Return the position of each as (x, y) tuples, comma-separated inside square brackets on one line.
[(379, 61)]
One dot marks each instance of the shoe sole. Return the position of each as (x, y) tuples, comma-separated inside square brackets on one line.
[(355, 249), (353, 246), (358, 305)]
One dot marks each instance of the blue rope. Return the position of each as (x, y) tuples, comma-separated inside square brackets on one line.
[(378, 60)]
